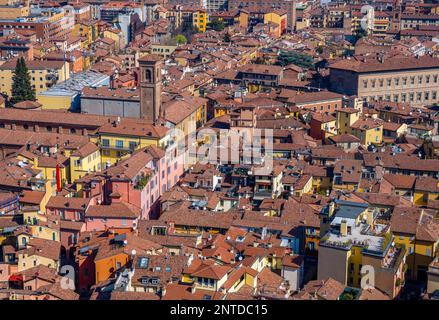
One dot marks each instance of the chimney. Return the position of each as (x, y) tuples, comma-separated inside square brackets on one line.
[(344, 228), (37, 128)]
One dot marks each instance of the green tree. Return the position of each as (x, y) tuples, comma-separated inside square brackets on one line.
[(299, 59), (188, 30), (216, 25), (181, 39), (21, 87)]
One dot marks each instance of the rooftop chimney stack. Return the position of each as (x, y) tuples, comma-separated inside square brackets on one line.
[(343, 228)]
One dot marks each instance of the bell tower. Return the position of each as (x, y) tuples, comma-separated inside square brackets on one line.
[(396, 19), (150, 86)]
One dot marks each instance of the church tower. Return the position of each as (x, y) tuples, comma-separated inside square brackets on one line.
[(396, 19), (150, 86)]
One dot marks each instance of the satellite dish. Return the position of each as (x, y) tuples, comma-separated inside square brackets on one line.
[(133, 252)]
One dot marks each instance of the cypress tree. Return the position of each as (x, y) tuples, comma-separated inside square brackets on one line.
[(21, 86)]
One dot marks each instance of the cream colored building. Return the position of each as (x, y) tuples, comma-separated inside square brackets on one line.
[(163, 50), (36, 252), (13, 9), (397, 79)]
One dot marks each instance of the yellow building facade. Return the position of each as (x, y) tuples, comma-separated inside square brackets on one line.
[(419, 253), (345, 119), (82, 164), (200, 20), (115, 35), (43, 74), (369, 136), (88, 30), (116, 146), (423, 197), (44, 232), (277, 17)]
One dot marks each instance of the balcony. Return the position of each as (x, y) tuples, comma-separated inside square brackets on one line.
[(260, 195), (263, 180), (117, 147)]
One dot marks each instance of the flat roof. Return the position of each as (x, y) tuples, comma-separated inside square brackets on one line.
[(349, 212), (76, 83), (356, 237)]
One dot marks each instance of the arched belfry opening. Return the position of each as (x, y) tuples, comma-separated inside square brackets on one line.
[(150, 86)]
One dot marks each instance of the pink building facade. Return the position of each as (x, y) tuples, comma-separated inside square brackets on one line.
[(72, 209), (118, 215), (162, 172), (101, 224)]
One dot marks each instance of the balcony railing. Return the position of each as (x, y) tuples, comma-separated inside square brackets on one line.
[(263, 195), (116, 147)]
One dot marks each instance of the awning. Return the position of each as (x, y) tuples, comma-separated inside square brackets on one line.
[(16, 278)]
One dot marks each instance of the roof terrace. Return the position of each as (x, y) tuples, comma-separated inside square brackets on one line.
[(357, 236)]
